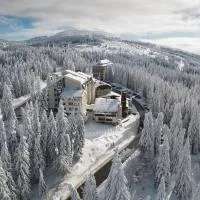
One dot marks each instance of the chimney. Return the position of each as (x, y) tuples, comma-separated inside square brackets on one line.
[(123, 104)]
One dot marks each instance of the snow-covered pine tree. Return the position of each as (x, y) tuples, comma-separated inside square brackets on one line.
[(176, 139), (44, 132), (61, 123), (27, 127), (4, 190), (74, 193), (158, 125), (16, 87), (27, 83), (176, 151), (187, 111), (33, 89), (38, 86), (161, 193), (7, 166), (31, 112), (166, 132), (63, 161), (90, 190), (193, 130), (42, 101), (6, 102), (121, 184), (72, 126), (36, 120), (6, 163), (2, 134), (69, 150), (10, 118), (118, 187), (175, 123), (38, 159), (183, 187), (22, 167), (167, 113), (10, 125), (42, 187), (111, 174), (11, 185), (163, 162), (147, 137), (79, 139), (51, 139)]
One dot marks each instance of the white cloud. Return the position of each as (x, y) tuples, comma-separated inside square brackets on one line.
[(187, 44), (131, 16)]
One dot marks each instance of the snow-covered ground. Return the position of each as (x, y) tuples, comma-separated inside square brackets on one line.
[(101, 140), (119, 46)]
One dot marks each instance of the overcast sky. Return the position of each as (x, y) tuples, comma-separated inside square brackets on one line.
[(136, 19)]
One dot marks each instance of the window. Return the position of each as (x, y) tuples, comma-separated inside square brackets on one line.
[(99, 115), (101, 119)]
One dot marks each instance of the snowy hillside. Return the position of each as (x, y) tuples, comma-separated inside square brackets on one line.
[(101, 41), (71, 36)]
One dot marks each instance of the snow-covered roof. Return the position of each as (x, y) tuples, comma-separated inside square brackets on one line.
[(71, 93), (82, 77), (104, 62), (106, 105), (58, 74), (75, 78), (99, 83), (112, 94)]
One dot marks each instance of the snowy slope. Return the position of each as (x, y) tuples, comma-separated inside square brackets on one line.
[(116, 45)]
